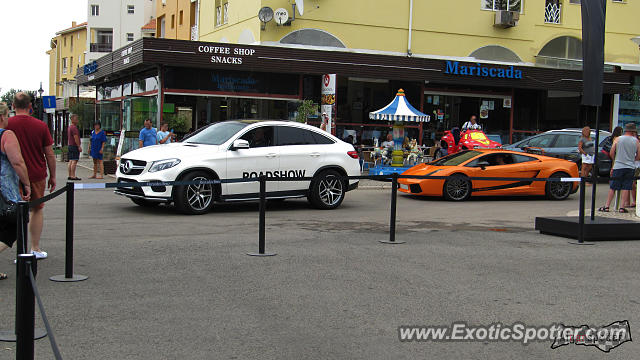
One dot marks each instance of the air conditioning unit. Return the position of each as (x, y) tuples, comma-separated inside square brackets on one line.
[(506, 19)]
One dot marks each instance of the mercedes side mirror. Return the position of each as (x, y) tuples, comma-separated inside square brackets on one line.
[(483, 164), (240, 144)]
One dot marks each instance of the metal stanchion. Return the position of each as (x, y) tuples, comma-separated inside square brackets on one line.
[(22, 230), (69, 276), (21, 248), (392, 219), (25, 308), (581, 215), (261, 231), (594, 186)]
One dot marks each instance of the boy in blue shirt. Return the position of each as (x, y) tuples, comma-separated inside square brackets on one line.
[(148, 135), (164, 135)]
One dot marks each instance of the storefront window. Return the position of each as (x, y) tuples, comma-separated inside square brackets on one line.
[(240, 108), (232, 81), (109, 116), (630, 104), (126, 89), (136, 110), (449, 110), (144, 85), (111, 92)]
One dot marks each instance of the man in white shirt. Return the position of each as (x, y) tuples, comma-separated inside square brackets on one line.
[(472, 124), (389, 142)]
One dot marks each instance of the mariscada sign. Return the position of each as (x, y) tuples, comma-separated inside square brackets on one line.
[(455, 68)]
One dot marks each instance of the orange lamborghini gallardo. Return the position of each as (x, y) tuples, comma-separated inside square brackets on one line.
[(462, 166)]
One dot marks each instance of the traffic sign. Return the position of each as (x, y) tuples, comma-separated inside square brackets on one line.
[(49, 102)]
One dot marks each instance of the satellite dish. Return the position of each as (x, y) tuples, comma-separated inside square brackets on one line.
[(300, 6), (265, 14), (282, 16)]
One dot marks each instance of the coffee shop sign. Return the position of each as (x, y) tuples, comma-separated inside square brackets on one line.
[(226, 55)]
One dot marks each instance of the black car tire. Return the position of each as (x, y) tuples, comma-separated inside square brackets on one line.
[(195, 199), (457, 188), (327, 190), (557, 190)]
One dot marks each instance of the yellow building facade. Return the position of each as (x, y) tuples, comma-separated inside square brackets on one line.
[(68, 49), (175, 19), (532, 34), (514, 64), (441, 28)]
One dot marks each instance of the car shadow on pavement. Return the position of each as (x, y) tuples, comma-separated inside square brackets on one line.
[(481, 198), (234, 207)]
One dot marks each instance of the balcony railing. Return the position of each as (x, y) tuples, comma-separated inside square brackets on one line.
[(553, 12), (100, 47)]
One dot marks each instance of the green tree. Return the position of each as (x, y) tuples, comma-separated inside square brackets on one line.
[(7, 97), (306, 109)]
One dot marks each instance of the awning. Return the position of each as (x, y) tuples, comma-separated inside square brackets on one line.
[(399, 110)]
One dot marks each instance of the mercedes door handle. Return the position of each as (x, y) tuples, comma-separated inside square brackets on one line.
[(314, 154), (271, 155)]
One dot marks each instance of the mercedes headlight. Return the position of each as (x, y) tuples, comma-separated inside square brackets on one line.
[(163, 165)]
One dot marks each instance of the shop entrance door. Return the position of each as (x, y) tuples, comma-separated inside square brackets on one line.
[(453, 109)]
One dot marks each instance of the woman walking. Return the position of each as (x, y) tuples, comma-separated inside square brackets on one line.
[(13, 172), (586, 147), (98, 139)]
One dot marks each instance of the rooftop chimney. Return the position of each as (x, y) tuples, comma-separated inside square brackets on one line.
[(73, 24)]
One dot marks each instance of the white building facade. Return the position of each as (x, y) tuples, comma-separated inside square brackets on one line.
[(115, 23)]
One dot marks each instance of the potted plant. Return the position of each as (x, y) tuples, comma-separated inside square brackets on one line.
[(306, 109)]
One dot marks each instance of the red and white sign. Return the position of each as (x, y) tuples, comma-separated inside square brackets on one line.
[(329, 106), (328, 84)]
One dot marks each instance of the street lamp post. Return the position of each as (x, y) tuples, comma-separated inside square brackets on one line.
[(40, 91)]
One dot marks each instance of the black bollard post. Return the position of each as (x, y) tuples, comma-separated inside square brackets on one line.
[(581, 211), (261, 223), (392, 218), (581, 215), (25, 308), (21, 248), (68, 256), (22, 227)]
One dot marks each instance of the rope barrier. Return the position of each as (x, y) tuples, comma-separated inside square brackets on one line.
[(127, 184), (47, 197)]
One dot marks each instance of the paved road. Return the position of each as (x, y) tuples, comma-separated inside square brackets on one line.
[(168, 286)]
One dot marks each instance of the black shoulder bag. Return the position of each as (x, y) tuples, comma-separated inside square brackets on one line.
[(8, 209)]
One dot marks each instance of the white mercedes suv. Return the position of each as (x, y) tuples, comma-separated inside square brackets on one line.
[(242, 149)]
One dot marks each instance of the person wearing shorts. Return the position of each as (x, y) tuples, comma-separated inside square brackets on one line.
[(586, 147), (625, 151), (36, 146), (73, 146)]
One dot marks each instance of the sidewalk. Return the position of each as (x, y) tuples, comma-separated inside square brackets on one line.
[(85, 166)]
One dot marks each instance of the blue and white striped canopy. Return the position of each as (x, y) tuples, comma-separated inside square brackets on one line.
[(399, 110)]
